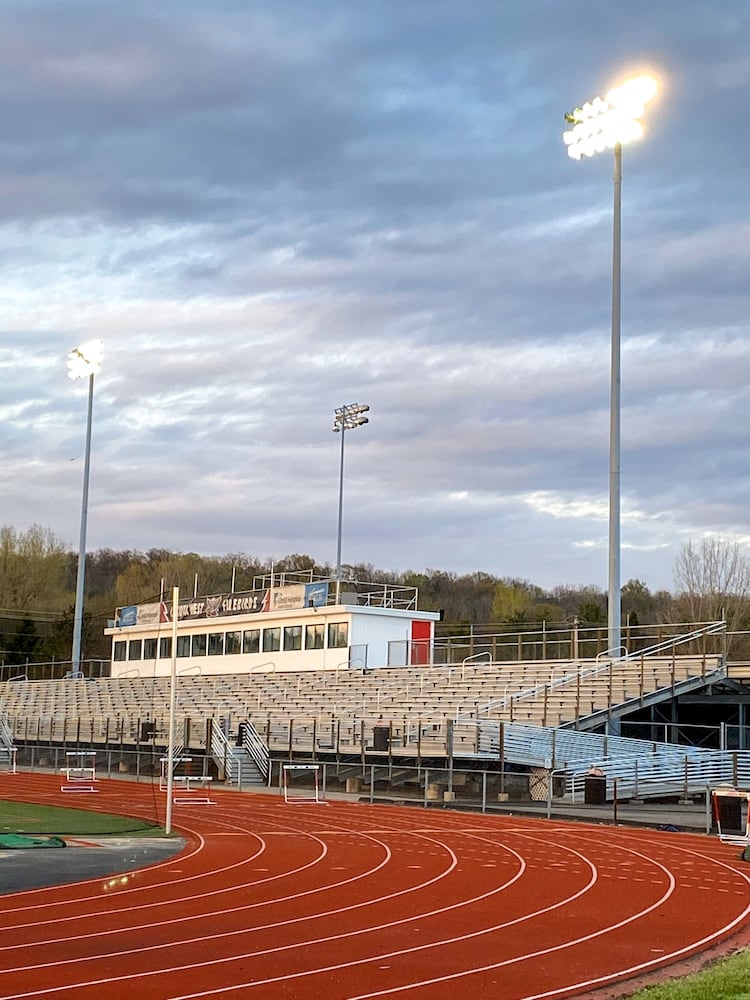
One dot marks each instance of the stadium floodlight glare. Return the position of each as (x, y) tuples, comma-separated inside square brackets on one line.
[(616, 120), (83, 362), (597, 126), (345, 418)]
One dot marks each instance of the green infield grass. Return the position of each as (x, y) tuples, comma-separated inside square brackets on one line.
[(23, 817), (727, 979)]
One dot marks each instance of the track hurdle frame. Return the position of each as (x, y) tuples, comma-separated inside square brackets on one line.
[(79, 776), (290, 797), (196, 790), (164, 775)]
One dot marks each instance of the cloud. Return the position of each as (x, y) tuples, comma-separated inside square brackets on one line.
[(268, 210)]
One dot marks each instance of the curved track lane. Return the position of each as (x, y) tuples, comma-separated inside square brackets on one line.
[(353, 902)]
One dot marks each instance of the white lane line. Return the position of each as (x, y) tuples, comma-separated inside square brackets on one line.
[(268, 951)]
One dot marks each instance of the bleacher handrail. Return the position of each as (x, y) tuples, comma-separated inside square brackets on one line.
[(599, 668), (256, 746)]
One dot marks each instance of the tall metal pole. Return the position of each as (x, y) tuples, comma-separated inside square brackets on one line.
[(341, 514), (172, 709), (81, 573), (613, 593)]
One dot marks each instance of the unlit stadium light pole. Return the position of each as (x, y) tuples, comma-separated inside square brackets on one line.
[(172, 710), (345, 418), (597, 126), (84, 361)]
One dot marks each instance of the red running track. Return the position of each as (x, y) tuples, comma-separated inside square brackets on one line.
[(346, 901)]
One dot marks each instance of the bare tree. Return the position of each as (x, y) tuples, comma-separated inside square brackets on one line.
[(712, 581)]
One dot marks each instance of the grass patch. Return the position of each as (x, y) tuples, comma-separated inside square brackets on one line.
[(728, 979), (25, 817)]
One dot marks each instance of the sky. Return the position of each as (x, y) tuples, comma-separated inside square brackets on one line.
[(267, 210)]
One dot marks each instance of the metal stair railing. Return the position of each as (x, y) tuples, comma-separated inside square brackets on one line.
[(257, 748), (6, 735), (222, 752)]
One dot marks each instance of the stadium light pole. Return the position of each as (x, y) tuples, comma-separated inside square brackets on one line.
[(345, 418), (600, 125), (83, 362)]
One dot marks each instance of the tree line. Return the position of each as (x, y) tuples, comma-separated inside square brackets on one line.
[(38, 573)]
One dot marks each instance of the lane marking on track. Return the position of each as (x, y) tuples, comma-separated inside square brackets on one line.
[(684, 882), (203, 915), (267, 951), (337, 937), (541, 952)]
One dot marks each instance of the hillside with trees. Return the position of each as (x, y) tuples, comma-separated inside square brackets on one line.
[(37, 591)]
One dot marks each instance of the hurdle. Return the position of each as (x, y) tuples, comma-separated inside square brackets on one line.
[(195, 791), (164, 776), (79, 771), (298, 796), (727, 805)]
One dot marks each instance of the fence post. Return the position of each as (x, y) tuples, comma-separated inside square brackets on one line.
[(449, 741), (501, 747), (549, 794), (685, 786), (614, 801), (484, 791)]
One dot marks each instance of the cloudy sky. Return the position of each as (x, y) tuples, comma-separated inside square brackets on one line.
[(267, 209)]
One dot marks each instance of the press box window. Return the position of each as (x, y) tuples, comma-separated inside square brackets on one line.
[(338, 635), (149, 649), (233, 643), (199, 645), (183, 645), (134, 649), (215, 643), (271, 640), (292, 637), (165, 647), (120, 649), (251, 640), (314, 636)]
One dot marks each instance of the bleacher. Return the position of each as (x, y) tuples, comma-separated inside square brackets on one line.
[(477, 709), (333, 704)]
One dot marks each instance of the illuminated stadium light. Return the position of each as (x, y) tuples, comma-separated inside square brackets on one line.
[(597, 126), (85, 360), (604, 124)]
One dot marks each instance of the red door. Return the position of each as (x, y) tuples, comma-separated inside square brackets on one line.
[(421, 641)]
